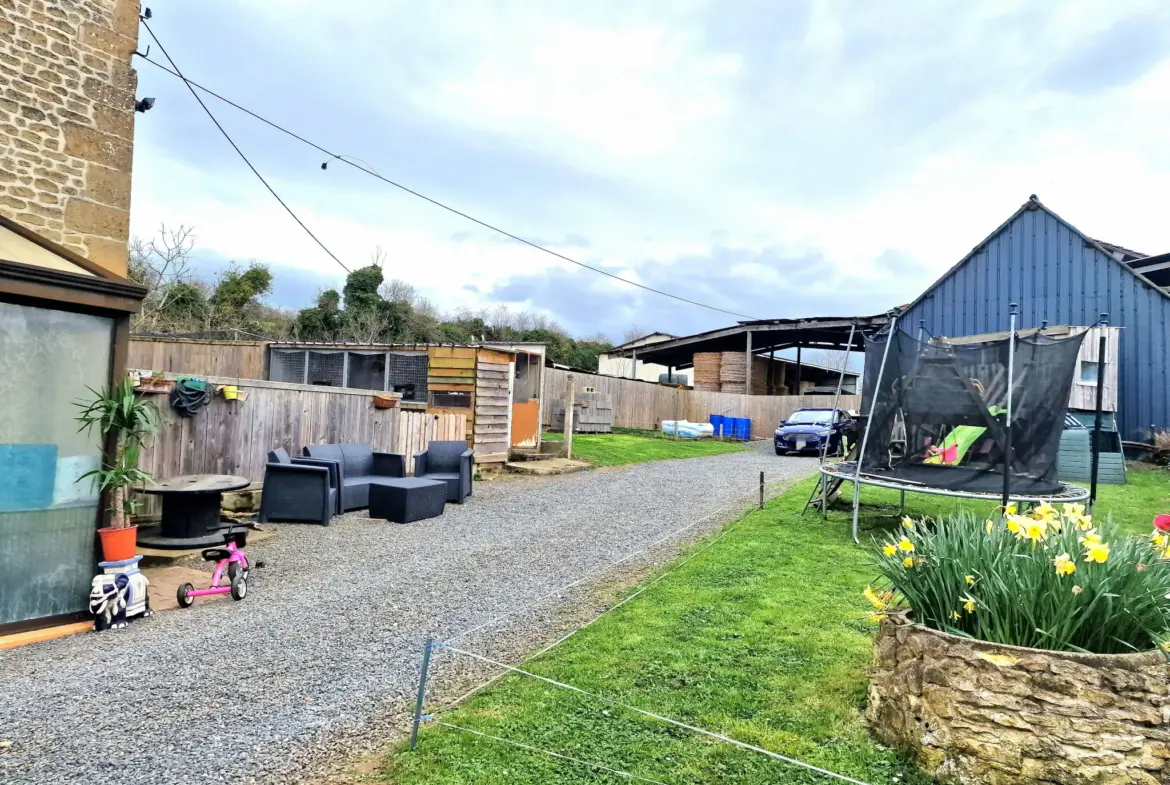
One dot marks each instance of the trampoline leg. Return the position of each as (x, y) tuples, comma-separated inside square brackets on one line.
[(902, 501), (856, 508)]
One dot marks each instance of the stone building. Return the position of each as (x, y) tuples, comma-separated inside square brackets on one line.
[(67, 94)]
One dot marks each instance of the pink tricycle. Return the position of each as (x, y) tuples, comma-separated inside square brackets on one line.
[(231, 560)]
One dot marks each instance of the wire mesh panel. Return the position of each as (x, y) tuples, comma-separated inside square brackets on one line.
[(287, 365), (367, 370), (408, 374), (327, 368), (940, 416)]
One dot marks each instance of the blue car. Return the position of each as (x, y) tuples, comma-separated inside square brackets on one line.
[(806, 430)]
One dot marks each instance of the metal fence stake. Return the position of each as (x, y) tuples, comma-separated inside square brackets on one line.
[(422, 692), (761, 490)]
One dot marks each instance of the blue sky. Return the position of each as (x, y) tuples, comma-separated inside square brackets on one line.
[(771, 158)]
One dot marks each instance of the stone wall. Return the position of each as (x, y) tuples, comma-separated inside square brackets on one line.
[(67, 93), (982, 713)]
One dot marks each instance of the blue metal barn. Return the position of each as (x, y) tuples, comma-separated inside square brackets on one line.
[(1056, 272)]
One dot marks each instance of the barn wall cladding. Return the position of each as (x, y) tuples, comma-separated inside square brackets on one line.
[(1057, 273)]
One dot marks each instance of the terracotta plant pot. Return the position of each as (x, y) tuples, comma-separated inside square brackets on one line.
[(118, 544), (384, 402), (151, 386)]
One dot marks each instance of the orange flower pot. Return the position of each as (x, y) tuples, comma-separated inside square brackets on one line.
[(118, 544)]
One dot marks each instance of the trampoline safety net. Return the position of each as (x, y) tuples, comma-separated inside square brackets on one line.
[(940, 414)]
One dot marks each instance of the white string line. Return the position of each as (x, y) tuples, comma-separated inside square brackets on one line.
[(549, 752), (659, 717), (592, 572), (564, 638)]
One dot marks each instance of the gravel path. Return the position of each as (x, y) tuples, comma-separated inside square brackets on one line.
[(319, 660)]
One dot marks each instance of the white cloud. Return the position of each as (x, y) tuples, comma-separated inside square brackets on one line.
[(844, 133)]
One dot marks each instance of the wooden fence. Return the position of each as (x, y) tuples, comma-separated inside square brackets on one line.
[(234, 359), (638, 404), (234, 437)]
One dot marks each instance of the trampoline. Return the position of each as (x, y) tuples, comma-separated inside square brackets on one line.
[(976, 419)]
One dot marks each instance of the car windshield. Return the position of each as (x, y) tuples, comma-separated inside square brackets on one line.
[(804, 417)]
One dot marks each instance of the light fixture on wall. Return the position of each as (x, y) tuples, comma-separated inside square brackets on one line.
[(144, 105)]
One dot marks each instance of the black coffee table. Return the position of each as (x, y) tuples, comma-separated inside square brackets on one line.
[(407, 499), (190, 510)]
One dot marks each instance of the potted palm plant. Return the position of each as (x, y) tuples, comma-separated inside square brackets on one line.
[(126, 419)]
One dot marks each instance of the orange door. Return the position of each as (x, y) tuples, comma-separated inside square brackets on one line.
[(525, 423)]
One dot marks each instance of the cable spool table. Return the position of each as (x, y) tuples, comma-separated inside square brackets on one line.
[(190, 510)]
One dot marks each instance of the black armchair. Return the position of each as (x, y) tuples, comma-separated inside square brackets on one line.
[(449, 462), (357, 466), (298, 489)]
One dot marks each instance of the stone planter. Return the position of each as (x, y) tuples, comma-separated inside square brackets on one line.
[(984, 713)]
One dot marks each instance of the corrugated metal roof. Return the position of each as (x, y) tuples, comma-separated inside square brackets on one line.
[(1057, 273)]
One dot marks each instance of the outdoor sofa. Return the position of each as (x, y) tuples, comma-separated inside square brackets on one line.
[(358, 467)]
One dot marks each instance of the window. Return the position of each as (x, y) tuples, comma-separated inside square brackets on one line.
[(527, 378), (447, 399), (1089, 372), (47, 517), (810, 416)]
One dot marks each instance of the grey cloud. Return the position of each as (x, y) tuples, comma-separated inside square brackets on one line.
[(1117, 56)]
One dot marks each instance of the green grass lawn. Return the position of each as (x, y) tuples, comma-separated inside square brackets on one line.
[(630, 446), (763, 637)]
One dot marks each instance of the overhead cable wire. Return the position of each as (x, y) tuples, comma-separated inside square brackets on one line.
[(235, 147), (677, 723), (550, 753), (370, 171)]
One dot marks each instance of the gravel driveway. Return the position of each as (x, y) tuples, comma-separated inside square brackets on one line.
[(318, 661)]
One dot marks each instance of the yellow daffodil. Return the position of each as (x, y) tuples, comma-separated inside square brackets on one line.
[(1073, 509), (877, 617), (969, 603), (1166, 645), (877, 602), (906, 545), (889, 550), (908, 562), (1166, 553), (970, 579), (1098, 552), (1044, 510), (956, 615), (1064, 565), (1035, 531), (1085, 523), (1089, 539), (1011, 509), (1158, 539), (907, 521), (1013, 526), (988, 526)]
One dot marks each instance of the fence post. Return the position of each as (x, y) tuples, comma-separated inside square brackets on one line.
[(569, 417), (761, 490), (422, 692)]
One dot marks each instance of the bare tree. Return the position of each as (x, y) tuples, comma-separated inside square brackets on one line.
[(398, 291), (162, 265), (633, 333)]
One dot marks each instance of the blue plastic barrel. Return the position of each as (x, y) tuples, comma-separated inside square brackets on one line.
[(731, 427), (743, 428), (717, 424)]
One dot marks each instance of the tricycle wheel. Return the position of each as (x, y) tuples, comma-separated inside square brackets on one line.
[(239, 587), (183, 595), (233, 571)]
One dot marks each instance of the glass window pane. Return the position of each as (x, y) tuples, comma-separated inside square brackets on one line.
[(47, 519), (1089, 371)]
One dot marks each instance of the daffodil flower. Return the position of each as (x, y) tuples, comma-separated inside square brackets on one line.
[(1090, 539), (970, 579), (877, 617), (889, 550), (1098, 553), (907, 522), (969, 603), (956, 615), (908, 562), (906, 545), (1035, 531), (988, 526), (1011, 509), (1064, 565)]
